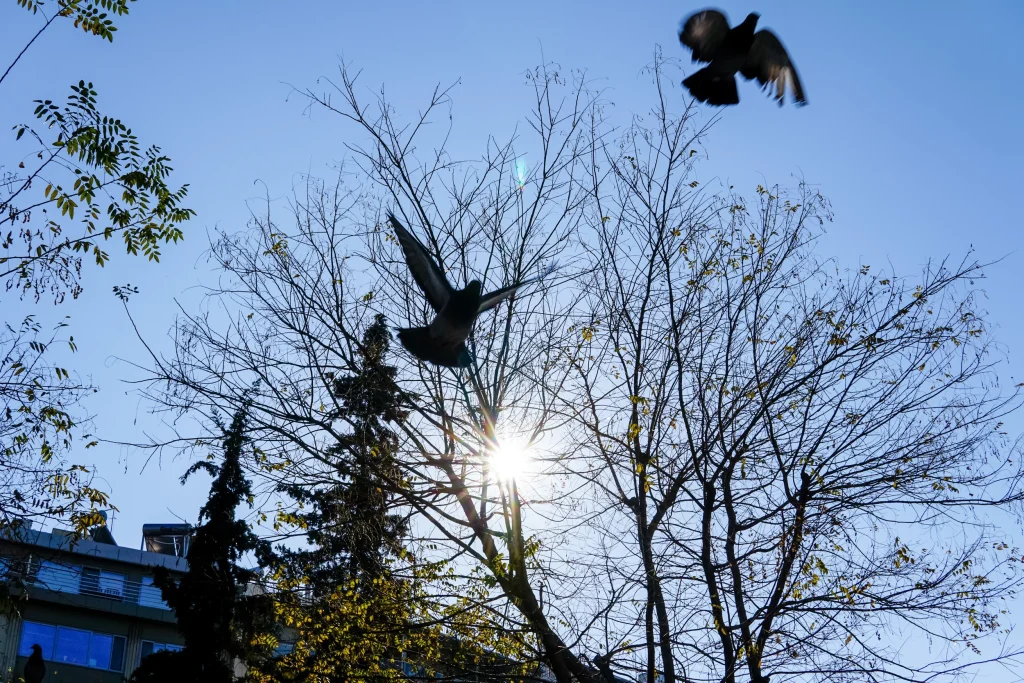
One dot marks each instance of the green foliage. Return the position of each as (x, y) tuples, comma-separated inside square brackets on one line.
[(36, 400), (85, 179), (216, 616), (350, 527), (91, 16), (91, 166), (359, 601)]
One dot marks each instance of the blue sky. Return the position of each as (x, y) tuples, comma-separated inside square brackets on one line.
[(912, 133)]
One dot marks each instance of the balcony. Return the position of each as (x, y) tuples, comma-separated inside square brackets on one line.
[(80, 580)]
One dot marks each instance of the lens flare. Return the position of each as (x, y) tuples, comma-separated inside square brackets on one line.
[(522, 170), (510, 459)]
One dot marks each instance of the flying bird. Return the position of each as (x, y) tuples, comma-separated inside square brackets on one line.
[(35, 670), (739, 49), (443, 341)]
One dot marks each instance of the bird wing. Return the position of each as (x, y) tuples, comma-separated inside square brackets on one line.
[(703, 33), (492, 299), (424, 271), (769, 63)]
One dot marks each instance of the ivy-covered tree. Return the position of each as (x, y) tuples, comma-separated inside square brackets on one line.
[(219, 619), (80, 178)]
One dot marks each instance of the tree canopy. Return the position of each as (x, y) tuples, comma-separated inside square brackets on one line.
[(219, 616), (82, 178), (747, 464)]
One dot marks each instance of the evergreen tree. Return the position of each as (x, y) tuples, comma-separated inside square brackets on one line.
[(351, 529), (372, 606), (360, 612), (217, 620)]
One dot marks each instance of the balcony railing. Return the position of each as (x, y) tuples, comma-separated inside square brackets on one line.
[(80, 580), (75, 579)]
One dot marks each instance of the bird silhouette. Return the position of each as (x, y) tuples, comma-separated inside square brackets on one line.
[(443, 341), (35, 670), (739, 49)]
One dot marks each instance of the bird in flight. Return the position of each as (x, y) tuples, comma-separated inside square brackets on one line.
[(757, 55), (443, 341)]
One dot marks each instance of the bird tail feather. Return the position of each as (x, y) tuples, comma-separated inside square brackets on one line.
[(419, 342), (712, 86)]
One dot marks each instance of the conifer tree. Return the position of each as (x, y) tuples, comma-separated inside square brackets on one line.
[(216, 617), (352, 530)]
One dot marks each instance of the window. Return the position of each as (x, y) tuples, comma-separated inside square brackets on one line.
[(42, 634), (56, 577), (150, 595), (73, 646), (112, 584), (149, 647), (98, 582)]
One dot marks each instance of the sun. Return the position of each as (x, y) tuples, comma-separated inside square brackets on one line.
[(510, 458)]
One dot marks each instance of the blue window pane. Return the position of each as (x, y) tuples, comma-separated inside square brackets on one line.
[(72, 646), (150, 595), (147, 649), (42, 634), (99, 651), (58, 577)]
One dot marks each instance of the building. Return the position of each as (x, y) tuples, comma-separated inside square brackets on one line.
[(91, 604)]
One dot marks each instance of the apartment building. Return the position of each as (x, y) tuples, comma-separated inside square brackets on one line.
[(90, 604)]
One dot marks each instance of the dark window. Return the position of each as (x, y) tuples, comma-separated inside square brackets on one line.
[(106, 584), (117, 655), (90, 580), (99, 651), (149, 647), (55, 576)]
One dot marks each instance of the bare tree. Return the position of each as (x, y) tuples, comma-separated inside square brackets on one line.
[(730, 435), (798, 466), (299, 297)]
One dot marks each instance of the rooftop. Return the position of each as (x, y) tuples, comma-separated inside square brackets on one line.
[(64, 542)]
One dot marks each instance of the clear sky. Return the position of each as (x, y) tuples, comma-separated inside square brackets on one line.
[(912, 130)]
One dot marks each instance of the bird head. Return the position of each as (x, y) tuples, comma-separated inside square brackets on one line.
[(37, 649), (473, 288), (751, 19)]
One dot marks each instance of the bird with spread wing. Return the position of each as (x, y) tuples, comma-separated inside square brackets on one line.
[(727, 51), (443, 341)]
